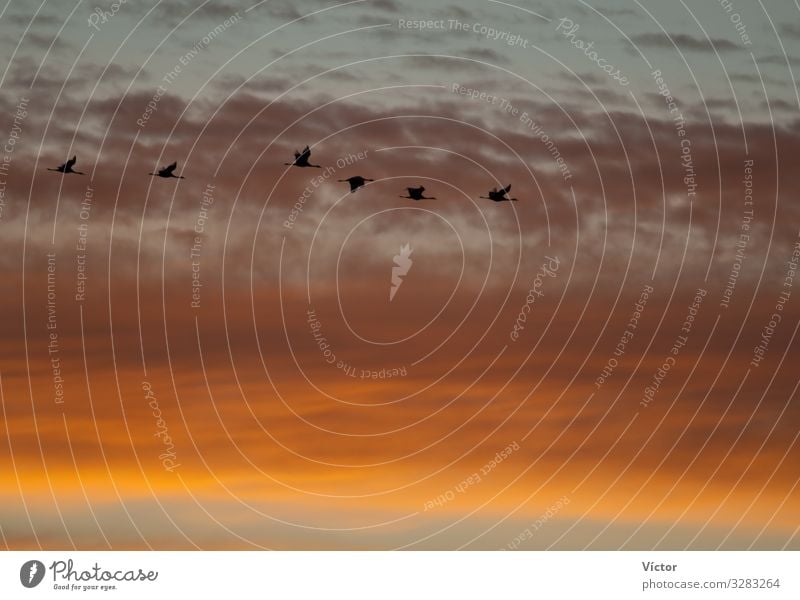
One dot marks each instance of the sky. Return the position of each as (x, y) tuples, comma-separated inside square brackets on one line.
[(253, 357)]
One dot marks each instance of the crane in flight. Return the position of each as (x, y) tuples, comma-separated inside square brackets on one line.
[(301, 159), (356, 182), (500, 195), (415, 193), (168, 171), (67, 167)]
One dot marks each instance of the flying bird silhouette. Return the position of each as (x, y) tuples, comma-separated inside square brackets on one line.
[(301, 159), (500, 195), (67, 167), (356, 182), (168, 171), (415, 193)]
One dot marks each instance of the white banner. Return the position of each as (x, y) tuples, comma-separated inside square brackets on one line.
[(399, 575)]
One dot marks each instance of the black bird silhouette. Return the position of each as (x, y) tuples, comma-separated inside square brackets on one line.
[(301, 159), (168, 171), (67, 167), (500, 195), (356, 182), (415, 193)]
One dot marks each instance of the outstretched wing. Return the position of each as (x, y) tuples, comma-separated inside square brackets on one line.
[(306, 153), (169, 168), (507, 189), (71, 162)]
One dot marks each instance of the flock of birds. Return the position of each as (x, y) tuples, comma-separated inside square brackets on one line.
[(301, 159)]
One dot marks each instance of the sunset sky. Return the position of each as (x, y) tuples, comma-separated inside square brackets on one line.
[(610, 362)]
